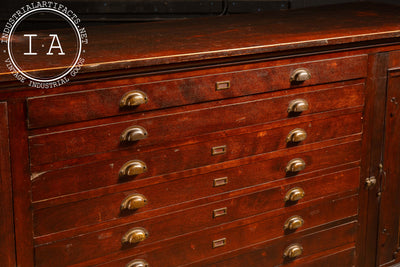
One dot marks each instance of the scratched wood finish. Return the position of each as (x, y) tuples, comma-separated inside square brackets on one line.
[(213, 38), (106, 208), (101, 243), (81, 106), (170, 127)]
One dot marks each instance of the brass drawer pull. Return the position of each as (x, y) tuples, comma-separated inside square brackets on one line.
[(219, 243), (296, 136), (133, 99), (298, 106), (135, 235), (293, 223), (134, 202), (294, 194), (134, 133), (132, 168), (300, 75), (293, 251), (295, 165), (137, 263)]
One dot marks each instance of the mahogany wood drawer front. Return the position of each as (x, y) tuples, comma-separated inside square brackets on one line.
[(124, 238), (102, 173), (163, 129), (328, 248), (236, 144), (123, 206), (87, 105)]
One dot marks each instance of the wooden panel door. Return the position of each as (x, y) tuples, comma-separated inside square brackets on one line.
[(388, 231)]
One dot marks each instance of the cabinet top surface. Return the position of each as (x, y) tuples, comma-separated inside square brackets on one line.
[(124, 46)]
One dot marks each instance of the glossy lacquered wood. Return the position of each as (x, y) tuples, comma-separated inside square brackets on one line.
[(255, 78), (101, 243)]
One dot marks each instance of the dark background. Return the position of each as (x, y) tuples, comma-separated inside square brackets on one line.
[(145, 10)]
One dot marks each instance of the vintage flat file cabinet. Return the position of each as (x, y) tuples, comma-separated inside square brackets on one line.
[(250, 140)]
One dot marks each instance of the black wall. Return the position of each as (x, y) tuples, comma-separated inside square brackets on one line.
[(143, 10)]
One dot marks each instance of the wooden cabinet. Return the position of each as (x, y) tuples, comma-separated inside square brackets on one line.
[(226, 142)]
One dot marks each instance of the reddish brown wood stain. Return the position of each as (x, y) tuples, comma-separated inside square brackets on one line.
[(61, 152)]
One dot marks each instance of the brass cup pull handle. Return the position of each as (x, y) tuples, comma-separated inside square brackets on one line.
[(137, 263), (295, 165), (134, 202), (293, 223), (133, 99), (132, 168), (296, 136), (135, 235), (293, 251), (298, 106), (294, 194), (134, 133), (300, 75)]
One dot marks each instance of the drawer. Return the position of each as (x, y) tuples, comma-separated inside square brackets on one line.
[(252, 79), (98, 210), (343, 257), (101, 243), (98, 174), (325, 257), (164, 129)]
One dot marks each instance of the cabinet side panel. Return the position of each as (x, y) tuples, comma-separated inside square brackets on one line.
[(7, 245), (21, 183)]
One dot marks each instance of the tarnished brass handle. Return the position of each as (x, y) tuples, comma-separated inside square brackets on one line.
[(293, 251), (133, 99), (293, 223), (132, 168), (134, 133), (137, 263), (294, 194), (134, 202), (300, 75), (135, 235), (370, 182), (297, 106), (296, 135), (295, 165)]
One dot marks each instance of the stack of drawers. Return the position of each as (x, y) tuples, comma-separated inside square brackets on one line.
[(255, 163)]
